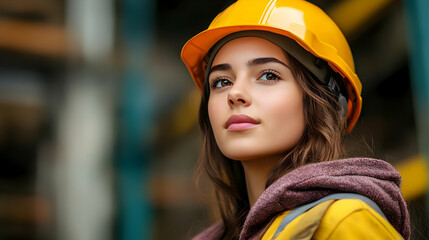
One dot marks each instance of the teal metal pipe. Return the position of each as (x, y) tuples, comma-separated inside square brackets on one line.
[(135, 122), (417, 17)]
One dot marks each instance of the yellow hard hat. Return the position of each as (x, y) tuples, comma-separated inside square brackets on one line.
[(299, 20)]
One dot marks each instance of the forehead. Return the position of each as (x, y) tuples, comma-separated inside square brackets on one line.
[(245, 48)]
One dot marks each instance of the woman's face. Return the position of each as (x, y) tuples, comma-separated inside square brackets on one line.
[(255, 105)]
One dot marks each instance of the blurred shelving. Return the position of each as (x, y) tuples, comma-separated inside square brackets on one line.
[(33, 47)]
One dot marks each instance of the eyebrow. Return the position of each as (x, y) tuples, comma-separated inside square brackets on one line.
[(258, 61), (220, 67)]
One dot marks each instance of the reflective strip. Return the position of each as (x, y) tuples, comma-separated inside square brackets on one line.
[(303, 208)]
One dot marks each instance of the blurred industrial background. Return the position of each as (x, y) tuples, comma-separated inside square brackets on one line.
[(98, 132)]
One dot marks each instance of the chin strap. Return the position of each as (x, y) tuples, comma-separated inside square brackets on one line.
[(334, 83), (336, 88)]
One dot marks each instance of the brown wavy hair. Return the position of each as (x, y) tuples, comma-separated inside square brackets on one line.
[(321, 141)]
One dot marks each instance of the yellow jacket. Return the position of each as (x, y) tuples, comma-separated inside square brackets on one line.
[(344, 219)]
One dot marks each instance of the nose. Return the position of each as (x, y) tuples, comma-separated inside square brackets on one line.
[(239, 95)]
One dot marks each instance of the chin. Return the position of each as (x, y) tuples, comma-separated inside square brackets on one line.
[(240, 157), (249, 156), (247, 153)]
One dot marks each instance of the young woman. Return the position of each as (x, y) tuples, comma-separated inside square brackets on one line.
[(279, 92)]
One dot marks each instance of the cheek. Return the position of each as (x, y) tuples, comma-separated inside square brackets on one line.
[(214, 112), (287, 114)]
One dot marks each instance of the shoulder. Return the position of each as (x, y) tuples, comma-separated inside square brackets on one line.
[(356, 220), (344, 219)]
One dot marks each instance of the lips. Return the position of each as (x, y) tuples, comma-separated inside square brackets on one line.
[(240, 122)]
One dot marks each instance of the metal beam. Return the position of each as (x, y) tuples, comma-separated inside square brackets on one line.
[(414, 177), (34, 38), (136, 121), (350, 15), (417, 17)]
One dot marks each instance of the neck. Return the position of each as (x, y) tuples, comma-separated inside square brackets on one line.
[(256, 174)]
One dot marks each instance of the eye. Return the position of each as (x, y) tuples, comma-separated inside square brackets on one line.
[(220, 83), (269, 75)]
